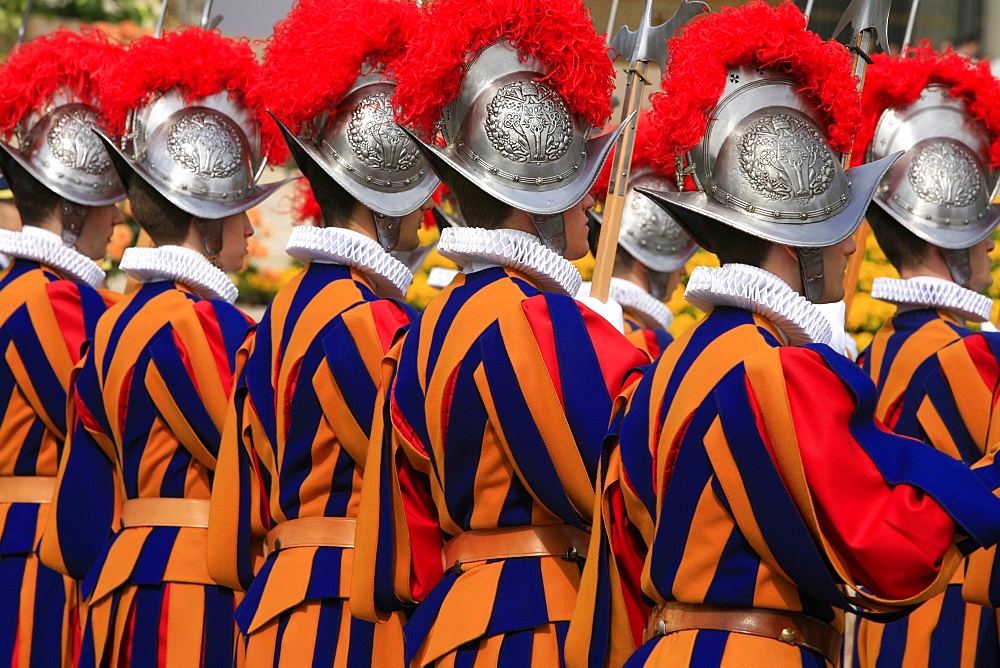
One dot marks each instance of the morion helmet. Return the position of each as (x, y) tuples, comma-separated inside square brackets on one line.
[(49, 108), (757, 121), (337, 118), (648, 232), (941, 108), (513, 90), (188, 113)]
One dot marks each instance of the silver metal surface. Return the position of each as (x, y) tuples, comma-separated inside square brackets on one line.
[(201, 155), (867, 15), (360, 146), (56, 145), (941, 189), (648, 43), (648, 232), (542, 166)]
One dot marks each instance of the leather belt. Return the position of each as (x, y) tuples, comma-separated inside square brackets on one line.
[(557, 540), (311, 532), (165, 512), (26, 488), (792, 628)]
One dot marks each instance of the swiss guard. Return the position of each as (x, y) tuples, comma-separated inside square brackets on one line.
[(932, 216), (65, 190), (652, 248), (479, 486), (750, 486), (292, 465), (132, 500)]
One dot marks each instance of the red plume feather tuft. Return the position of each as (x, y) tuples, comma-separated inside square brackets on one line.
[(643, 155), (305, 209), (61, 60), (754, 33), (319, 49), (897, 81), (558, 33), (198, 63)]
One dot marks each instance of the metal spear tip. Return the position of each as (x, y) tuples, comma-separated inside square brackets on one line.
[(864, 15), (648, 43)]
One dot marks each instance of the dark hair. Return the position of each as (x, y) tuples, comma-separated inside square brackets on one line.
[(901, 247), (478, 208), (336, 204), (34, 200), (732, 245), (165, 222)]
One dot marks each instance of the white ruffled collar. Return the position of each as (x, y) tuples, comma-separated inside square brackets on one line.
[(930, 292), (47, 248), (475, 249), (184, 265), (335, 245), (633, 299), (753, 289)]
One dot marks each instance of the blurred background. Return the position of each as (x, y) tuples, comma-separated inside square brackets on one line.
[(969, 26)]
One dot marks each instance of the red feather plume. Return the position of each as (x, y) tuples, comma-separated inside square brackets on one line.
[(318, 50), (305, 209), (198, 63), (643, 156), (558, 33), (39, 68), (754, 33), (897, 81)]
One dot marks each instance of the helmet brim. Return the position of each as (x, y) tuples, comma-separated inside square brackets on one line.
[(60, 187)]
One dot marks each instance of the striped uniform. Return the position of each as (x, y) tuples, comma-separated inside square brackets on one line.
[(294, 448), (751, 474), (500, 402), (44, 322), (651, 340), (150, 401), (919, 390)]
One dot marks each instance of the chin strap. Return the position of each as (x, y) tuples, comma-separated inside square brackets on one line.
[(73, 217), (658, 281), (811, 271), (387, 229), (957, 260), (552, 229), (210, 233)]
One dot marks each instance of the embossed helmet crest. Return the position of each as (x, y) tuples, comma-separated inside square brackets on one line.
[(763, 154), (338, 119), (188, 111), (49, 112), (648, 232), (938, 107), (514, 89)]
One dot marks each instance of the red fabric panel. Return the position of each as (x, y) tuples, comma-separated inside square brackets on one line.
[(630, 554), (422, 523), (891, 537), (65, 299)]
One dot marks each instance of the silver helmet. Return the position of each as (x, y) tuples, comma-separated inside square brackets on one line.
[(368, 155), (204, 155), (941, 189), (764, 167), (57, 146), (512, 135)]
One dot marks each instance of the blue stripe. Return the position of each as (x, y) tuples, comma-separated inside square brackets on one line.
[(359, 654), (735, 581), (19, 529), (407, 393), (692, 471), (327, 631), (780, 523), (146, 293), (585, 396), (218, 625), (31, 448), (904, 325), (234, 327), (348, 369), (709, 646), (949, 482), (258, 378), (11, 581), (463, 443), (634, 439), (155, 554), (516, 649), (18, 268), (518, 426), (415, 630), (145, 644), (520, 598), (43, 378), (47, 622)]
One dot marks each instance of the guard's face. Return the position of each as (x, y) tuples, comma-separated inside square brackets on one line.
[(95, 234), (576, 229), (409, 225), (236, 229), (835, 260), (980, 264)]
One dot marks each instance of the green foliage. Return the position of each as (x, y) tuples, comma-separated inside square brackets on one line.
[(88, 11)]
